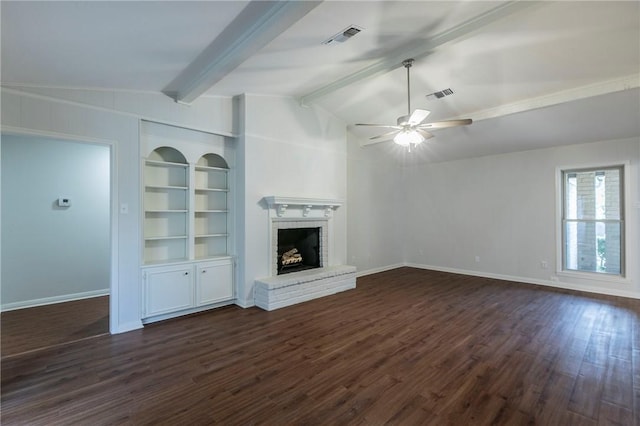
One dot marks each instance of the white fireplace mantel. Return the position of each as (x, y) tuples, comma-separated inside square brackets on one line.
[(280, 204)]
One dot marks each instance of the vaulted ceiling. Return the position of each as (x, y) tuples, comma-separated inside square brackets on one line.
[(530, 74)]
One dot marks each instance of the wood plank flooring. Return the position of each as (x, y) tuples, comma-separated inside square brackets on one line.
[(407, 347), (25, 330)]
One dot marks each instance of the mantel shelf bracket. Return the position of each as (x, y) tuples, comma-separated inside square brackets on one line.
[(328, 211), (281, 208), (306, 209)]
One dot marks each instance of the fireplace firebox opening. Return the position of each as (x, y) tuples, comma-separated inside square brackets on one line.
[(298, 249)]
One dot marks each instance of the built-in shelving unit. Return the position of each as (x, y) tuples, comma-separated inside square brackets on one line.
[(187, 262)]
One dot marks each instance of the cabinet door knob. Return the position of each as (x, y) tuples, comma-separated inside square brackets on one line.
[(186, 273), (204, 271)]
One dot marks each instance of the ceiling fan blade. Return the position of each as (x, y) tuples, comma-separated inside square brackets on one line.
[(384, 126), (418, 117), (445, 124), (383, 135), (426, 135)]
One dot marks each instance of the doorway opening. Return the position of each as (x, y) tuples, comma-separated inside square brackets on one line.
[(57, 233)]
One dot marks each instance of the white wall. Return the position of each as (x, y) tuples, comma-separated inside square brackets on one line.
[(502, 209), (53, 253), (285, 150), (376, 214), (113, 117)]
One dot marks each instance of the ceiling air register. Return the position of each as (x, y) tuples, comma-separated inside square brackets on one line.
[(343, 35)]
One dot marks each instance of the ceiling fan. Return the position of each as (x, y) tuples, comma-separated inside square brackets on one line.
[(410, 129)]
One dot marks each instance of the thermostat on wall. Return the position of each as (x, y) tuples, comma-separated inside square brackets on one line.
[(64, 202)]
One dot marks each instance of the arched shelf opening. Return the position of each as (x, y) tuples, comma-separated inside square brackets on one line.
[(212, 160), (167, 154)]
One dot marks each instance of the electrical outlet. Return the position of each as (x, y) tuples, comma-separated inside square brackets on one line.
[(544, 264), (477, 259)]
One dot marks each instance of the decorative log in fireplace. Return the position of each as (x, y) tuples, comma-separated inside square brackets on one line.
[(291, 257)]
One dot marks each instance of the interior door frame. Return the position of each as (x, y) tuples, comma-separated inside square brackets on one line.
[(113, 204)]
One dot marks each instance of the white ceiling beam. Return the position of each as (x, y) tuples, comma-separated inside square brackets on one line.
[(419, 48), (256, 25), (569, 95)]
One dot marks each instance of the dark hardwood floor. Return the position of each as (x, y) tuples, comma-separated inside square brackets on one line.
[(30, 329), (407, 347)]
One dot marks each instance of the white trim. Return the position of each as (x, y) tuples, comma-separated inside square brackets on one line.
[(243, 303), (595, 276), (378, 270), (183, 312), (525, 280), (23, 131), (19, 86), (113, 111), (53, 299), (128, 326), (114, 299), (322, 202)]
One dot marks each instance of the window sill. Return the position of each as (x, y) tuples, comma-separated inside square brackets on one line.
[(594, 276)]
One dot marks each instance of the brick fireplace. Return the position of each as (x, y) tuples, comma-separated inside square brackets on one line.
[(315, 279)]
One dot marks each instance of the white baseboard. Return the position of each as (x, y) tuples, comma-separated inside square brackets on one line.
[(129, 326), (245, 303), (54, 299), (525, 280), (380, 269), (183, 312)]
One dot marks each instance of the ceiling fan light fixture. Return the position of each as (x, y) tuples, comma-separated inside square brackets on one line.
[(408, 137)]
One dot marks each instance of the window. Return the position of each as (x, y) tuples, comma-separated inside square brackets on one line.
[(593, 220)]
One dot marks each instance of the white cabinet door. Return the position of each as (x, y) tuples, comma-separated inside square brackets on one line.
[(168, 289), (214, 282)]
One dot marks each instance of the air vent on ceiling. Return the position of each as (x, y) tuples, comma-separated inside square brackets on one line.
[(440, 94), (343, 35)]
